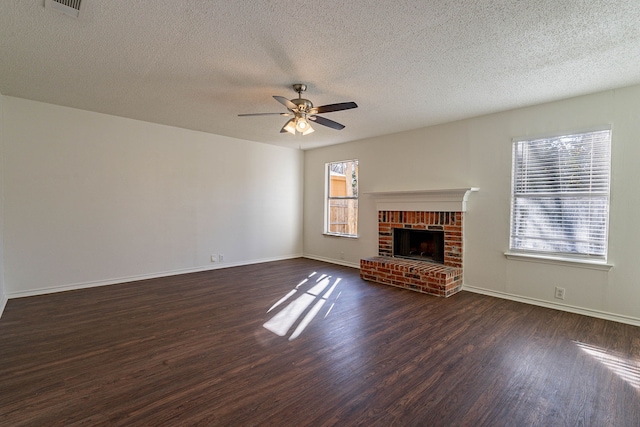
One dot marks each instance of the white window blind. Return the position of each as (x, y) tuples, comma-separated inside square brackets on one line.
[(560, 194)]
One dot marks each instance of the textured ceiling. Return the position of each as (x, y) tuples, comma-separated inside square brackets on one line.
[(197, 64)]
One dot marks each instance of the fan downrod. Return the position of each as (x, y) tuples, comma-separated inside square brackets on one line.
[(303, 105), (300, 87)]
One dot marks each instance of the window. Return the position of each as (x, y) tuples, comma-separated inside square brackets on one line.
[(341, 202), (560, 195)]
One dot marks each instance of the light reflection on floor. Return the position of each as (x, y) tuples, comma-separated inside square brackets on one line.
[(315, 297), (625, 368)]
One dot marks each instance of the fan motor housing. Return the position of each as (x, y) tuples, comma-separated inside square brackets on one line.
[(303, 105)]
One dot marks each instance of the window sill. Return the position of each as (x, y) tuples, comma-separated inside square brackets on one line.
[(348, 236), (572, 262)]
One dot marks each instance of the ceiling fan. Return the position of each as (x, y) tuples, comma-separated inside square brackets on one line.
[(303, 112)]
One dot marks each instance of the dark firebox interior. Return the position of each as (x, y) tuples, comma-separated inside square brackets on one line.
[(426, 245)]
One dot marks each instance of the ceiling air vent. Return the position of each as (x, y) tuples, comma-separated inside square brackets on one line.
[(68, 7)]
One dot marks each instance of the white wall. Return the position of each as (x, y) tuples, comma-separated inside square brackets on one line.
[(3, 292), (477, 153), (92, 199)]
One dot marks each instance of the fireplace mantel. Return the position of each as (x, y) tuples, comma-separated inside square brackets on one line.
[(440, 200)]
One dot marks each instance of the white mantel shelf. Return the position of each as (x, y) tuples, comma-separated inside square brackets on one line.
[(438, 200)]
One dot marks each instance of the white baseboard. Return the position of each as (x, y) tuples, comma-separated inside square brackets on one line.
[(3, 303), (333, 261), (562, 307), (85, 285)]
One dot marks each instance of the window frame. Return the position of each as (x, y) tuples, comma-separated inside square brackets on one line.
[(328, 198), (555, 256)]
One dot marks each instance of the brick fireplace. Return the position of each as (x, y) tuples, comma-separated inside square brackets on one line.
[(449, 222), (436, 278)]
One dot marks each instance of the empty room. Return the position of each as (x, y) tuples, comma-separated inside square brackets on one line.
[(413, 213)]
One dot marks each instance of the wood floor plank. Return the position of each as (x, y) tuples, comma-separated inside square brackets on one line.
[(192, 350)]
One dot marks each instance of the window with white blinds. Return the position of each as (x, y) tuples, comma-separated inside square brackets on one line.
[(560, 195)]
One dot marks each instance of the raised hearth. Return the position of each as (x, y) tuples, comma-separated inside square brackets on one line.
[(426, 277)]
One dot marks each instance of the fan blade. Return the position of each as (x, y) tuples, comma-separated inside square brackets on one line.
[(334, 107), (284, 101), (326, 122), (265, 114)]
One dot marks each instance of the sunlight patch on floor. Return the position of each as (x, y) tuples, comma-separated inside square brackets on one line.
[(314, 311), (625, 368), (315, 297), (283, 299), (332, 304)]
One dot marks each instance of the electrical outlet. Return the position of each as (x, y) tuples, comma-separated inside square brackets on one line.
[(221, 257), (214, 258), (560, 293), (341, 255)]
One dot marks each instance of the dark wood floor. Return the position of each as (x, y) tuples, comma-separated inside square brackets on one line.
[(192, 350)]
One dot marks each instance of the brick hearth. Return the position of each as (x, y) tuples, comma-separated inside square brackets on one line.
[(421, 276)]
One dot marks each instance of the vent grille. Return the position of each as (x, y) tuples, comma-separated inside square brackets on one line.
[(68, 7)]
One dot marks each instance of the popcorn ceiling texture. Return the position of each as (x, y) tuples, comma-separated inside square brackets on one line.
[(196, 64)]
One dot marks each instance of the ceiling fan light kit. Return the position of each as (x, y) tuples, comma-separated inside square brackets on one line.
[(290, 127), (303, 126), (304, 112)]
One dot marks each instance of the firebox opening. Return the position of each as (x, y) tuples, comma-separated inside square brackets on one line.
[(424, 245)]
